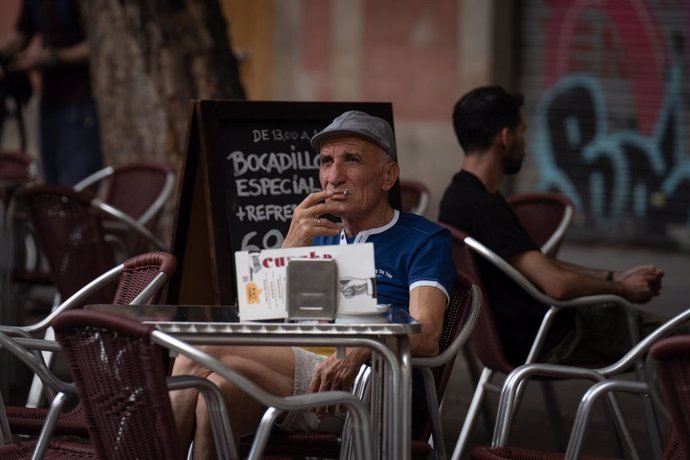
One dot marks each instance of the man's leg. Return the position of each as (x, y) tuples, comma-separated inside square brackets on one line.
[(271, 368)]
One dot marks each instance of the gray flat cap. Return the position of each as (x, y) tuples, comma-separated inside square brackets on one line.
[(375, 129)]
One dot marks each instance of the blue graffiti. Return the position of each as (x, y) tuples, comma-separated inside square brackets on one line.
[(613, 175)]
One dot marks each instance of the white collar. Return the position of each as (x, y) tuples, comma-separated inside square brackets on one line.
[(362, 236)]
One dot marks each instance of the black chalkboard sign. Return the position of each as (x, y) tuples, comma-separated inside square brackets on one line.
[(247, 165)]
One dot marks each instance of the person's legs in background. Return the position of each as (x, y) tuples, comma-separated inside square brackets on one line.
[(49, 130), (70, 144)]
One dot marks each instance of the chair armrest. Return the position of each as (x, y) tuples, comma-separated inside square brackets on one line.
[(579, 430), (517, 378), (539, 296), (357, 409), (454, 347), (93, 178), (508, 402), (20, 347), (74, 300), (226, 445), (532, 290), (130, 223)]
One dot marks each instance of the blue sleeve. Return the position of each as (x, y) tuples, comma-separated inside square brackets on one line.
[(432, 264)]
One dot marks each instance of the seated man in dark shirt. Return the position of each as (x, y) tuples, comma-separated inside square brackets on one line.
[(491, 130)]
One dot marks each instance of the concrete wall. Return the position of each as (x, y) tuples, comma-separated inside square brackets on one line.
[(419, 55)]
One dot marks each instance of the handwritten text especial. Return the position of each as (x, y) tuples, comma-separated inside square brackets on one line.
[(275, 186)]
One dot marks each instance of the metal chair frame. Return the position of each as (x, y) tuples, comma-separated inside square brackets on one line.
[(556, 306), (111, 171), (467, 316), (425, 365), (276, 405), (38, 389), (603, 385), (20, 348)]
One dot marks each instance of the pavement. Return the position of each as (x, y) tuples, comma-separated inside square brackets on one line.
[(531, 427)]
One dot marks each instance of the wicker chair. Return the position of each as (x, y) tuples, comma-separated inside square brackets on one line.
[(138, 280), (414, 196), (545, 216), (460, 318), (671, 360), (137, 190), (119, 375), (123, 422)]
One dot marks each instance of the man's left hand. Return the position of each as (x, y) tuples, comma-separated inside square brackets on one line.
[(335, 374)]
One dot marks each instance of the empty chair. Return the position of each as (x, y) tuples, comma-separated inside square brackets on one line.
[(119, 374), (69, 228), (414, 196), (138, 189), (671, 364), (138, 280)]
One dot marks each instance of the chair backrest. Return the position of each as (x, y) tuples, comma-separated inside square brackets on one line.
[(138, 274), (485, 340), (139, 189), (455, 322), (414, 196), (120, 380), (545, 216), (672, 363), (15, 166), (69, 231)]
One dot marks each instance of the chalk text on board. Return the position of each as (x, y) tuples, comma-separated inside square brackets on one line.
[(263, 212), (272, 135), (270, 162), (274, 186)]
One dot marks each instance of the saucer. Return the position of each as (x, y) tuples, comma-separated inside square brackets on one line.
[(381, 309), (377, 316)]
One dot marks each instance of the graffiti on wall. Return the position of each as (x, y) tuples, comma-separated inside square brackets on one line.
[(609, 130)]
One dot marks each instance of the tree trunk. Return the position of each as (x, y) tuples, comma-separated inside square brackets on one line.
[(148, 60)]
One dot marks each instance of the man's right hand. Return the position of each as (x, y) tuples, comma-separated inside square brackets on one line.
[(306, 221), (640, 283)]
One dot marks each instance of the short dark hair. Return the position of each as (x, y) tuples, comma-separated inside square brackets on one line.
[(483, 112)]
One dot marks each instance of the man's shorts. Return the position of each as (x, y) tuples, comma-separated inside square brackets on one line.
[(307, 420)]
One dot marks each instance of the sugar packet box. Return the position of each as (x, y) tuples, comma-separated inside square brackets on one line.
[(262, 279)]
